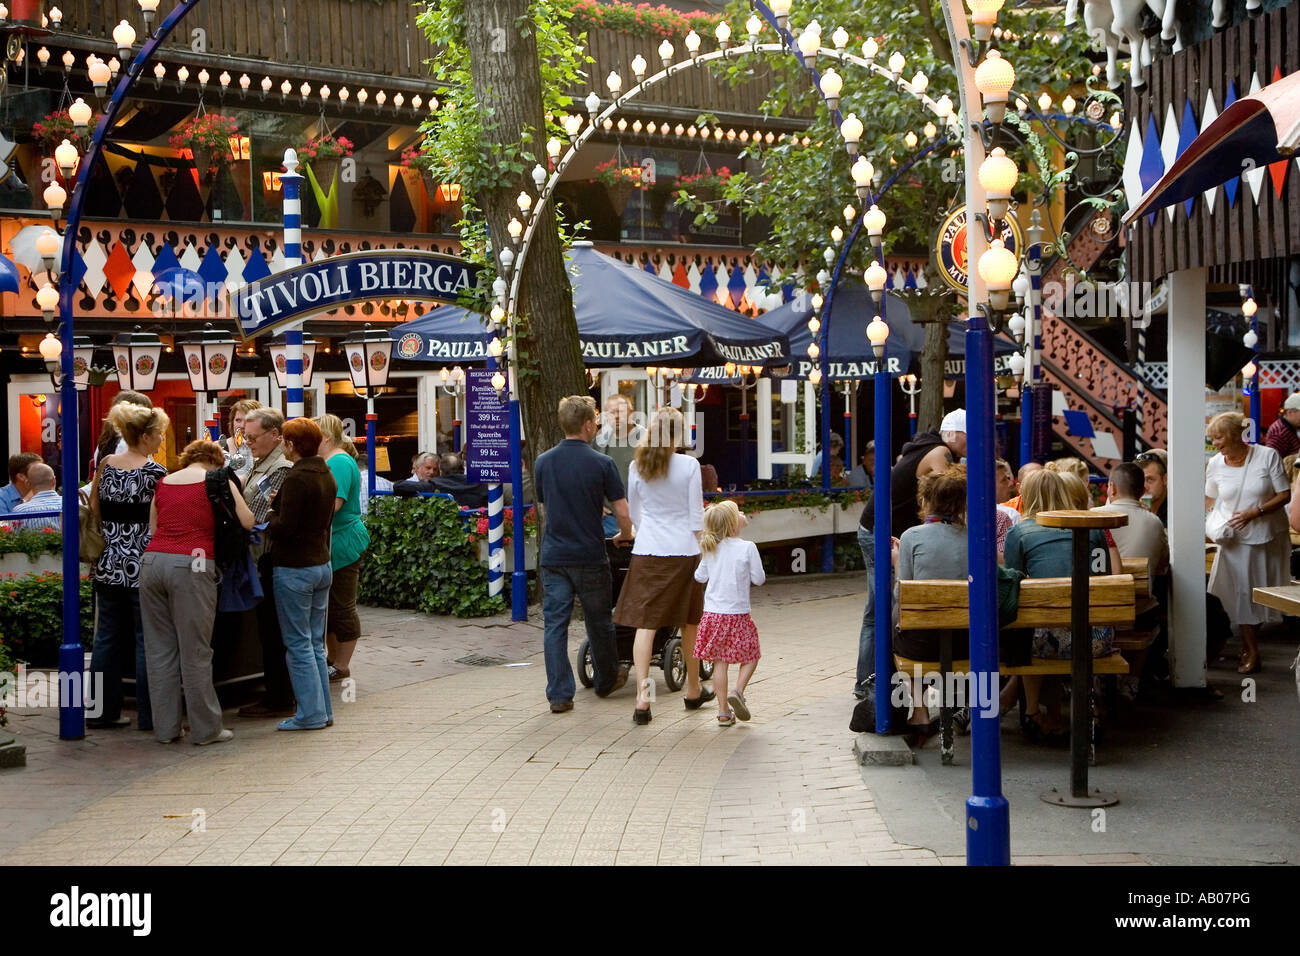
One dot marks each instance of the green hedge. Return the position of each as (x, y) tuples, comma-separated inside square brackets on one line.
[(424, 556), (31, 616)]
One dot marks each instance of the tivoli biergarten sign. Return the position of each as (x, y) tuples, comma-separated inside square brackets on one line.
[(303, 291)]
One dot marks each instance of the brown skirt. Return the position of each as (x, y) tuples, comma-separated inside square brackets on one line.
[(660, 592)]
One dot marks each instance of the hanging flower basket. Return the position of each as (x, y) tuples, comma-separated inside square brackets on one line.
[(58, 126), (704, 187), (207, 137), (324, 154), (619, 181)]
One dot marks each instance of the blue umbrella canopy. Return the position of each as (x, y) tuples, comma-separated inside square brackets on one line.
[(626, 316), (850, 352), (955, 366)]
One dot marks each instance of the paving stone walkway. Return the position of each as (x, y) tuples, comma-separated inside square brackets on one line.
[(437, 761)]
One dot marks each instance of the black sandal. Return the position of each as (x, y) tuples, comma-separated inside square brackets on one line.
[(695, 703), (641, 717)]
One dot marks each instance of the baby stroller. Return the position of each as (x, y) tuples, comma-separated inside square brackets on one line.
[(667, 649)]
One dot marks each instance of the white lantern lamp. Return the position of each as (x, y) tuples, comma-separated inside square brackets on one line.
[(209, 359), (994, 79), (851, 130), (47, 298), (369, 353), (148, 9), (279, 350), (998, 175), (862, 172), (998, 267), (874, 221), (47, 246), (984, 13), (136, 355), (876, 277), (831, 84), (124, 37), (878, 335)]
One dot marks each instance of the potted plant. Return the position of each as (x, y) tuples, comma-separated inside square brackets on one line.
[(207, 137), (58, 126), (619, 181), (702, 187), (323, 154)]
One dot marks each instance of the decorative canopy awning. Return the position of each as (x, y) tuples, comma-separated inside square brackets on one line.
[(1256, 131), (626, 316)]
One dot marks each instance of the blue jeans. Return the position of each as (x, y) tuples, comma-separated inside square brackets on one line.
[(301, 600), (119, 647), (867, 638), (593, 587)]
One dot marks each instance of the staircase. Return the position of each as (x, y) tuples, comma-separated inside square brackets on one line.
[(1091, 378)]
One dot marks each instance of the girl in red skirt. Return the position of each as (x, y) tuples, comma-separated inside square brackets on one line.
[(729, 565)]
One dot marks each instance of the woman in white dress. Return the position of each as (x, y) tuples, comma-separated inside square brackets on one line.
[(1246, 488)]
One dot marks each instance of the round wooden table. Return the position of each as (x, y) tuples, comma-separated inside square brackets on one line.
[(1080, 524)]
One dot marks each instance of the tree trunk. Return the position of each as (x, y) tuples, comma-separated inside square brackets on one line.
[(934, 353), (507, 84)]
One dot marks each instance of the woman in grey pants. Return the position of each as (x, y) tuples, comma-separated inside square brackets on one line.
[(178, 598)]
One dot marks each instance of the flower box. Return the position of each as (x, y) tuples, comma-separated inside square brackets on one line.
[(848, 516), (15, 562), (789, 524), (530, 555)]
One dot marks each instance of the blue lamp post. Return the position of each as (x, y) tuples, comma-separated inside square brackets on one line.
[(878, 335)]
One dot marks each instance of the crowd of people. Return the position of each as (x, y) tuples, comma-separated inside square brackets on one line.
[(260, 531), (294, 490)]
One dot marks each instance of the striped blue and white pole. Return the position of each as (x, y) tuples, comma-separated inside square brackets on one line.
[(295, 405), (496, 533), (1034, 336)]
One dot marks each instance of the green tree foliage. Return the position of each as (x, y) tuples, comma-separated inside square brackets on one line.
[(803, 189)]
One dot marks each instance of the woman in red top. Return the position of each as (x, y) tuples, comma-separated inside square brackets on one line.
[(178, 598)]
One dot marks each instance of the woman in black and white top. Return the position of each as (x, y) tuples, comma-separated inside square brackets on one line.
[(123, 491), (667, 509)]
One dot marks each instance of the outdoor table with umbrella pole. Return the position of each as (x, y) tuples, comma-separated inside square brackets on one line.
[(1080, 525)]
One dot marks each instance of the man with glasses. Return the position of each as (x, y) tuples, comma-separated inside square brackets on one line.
[(262, 427)]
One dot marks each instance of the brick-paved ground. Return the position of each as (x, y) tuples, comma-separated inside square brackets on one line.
[(439, 762)]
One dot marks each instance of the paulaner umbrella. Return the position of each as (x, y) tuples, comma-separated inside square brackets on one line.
[(850, 356), (626, 316)]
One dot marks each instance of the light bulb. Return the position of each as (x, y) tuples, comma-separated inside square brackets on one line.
[(984, 13), (539, 175), (930, 130), (515, 228), (998, 175), (840, 38), (910, 140), (754, 26), (831, 83), (51, 347), (809, 43), (837, 234), (524, 202), (994, 79), (813, 350), (877, 335), (920, 82), (1250, 339), (870, 48), (614, 83), (815, 376), (1248, 370), (553, 148), (1016, 324), (80, 113), (47, 244), (1249, 307), (814, 325), (875, 277), (693, 44), (849, 213), (896, 63), (1067, 104), (851, 130), (1018, 363), (498, 381), (1045, 102), (124, 37), (874, 222), (66, 157), (638, 67), (998, 267), (943, 106), (55, 197), (723, 33), (48, 299)]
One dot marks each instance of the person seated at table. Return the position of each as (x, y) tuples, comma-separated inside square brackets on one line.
[(935, 550), (424, 466), (450, 481), (41, 498), (1041, 552)]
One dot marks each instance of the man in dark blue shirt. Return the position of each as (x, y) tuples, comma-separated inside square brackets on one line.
[(573, 481)]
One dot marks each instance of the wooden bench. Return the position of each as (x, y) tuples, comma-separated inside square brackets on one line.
[(1133, 642), (1044, 602)]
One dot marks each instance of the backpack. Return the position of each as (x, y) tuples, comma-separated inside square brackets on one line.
[(229, 537)]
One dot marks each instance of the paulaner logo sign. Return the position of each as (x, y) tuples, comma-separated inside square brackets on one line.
[(328, 284)]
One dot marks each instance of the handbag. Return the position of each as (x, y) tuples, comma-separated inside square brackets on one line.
[(91, 544), (1217, 528), (230, 538)]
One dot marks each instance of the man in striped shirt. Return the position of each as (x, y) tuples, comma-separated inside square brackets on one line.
[(1281, 435)]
